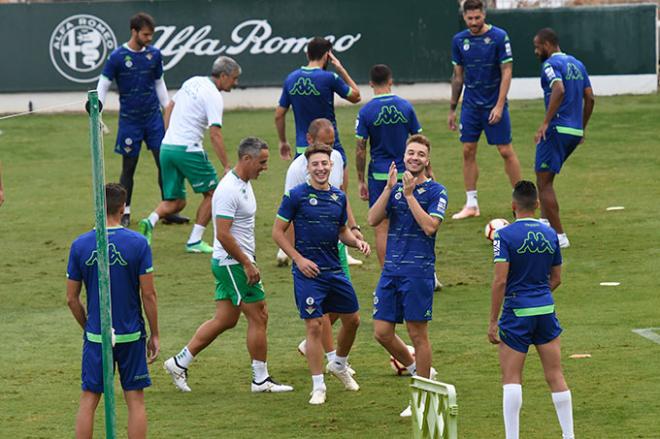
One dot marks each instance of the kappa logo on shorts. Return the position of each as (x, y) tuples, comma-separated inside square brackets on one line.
[(428, 313), (79, 45)]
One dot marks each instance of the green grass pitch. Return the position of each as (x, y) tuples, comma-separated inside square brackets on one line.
[(46, 165)]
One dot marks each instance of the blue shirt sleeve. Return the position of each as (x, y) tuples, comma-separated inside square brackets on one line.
[(456, 54), (339, 86), (361, 130), (500, 250), (110, 67), (158, 73), (438, 203), (557, 259), (413, 123), (146, 261), (284, 102), (504, 53), (550, 74), (287, 210), (73, 271)]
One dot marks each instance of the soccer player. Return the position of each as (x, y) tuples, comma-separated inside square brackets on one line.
[(318, 212), (310, 90), (238, 287), (415, 208), (569, 102), (196, 106), (527, 269), (483, 62), (385, 122), (130, 271), (137, 67)]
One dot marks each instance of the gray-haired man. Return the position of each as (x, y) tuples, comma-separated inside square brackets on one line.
[(238, 286), (196, 106)]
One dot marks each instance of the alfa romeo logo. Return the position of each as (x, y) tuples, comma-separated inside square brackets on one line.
[(79, 45)]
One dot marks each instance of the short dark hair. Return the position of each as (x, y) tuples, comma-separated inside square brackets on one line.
[(380, 74), (142, 20), (525, 195), (548, 35), (316, 148), (251, 146), (419, 138), (115, 198), (472, 5), (317, 47)]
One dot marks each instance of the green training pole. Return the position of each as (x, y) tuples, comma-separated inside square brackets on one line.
[(98, 183)]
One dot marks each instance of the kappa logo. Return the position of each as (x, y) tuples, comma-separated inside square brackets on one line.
[(304, 87), (390, 115), (79, 45), (428, 313), (573, 73), (536, 243), (114, 257)]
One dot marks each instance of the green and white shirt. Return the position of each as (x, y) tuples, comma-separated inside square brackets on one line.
[(234, 199)]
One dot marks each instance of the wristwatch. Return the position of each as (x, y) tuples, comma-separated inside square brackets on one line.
[(356, 227)]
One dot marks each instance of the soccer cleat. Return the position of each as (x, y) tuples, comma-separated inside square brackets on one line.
[(406, 413), (302, 348), (269, 385), (126, 220), (344, 376), (146, 229), (438, 285), (199, 247), (179, 374), (318, 397), (348, 367), (351, 260), (175, 219), (563, 240), (282, 259), (466, 212)]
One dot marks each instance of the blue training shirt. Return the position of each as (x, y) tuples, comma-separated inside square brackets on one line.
[(136, 74), (481, 57), (311, 93), (409, 251), (562, 67), (129, 258), (318, 216), (386, 121), (531, 248)]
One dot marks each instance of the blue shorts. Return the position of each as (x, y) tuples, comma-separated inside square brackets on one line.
[(375, 187), (131, 133), (400, 298), (520, 332), (552, 152), (474, 121), (129, 357), (330, 291)]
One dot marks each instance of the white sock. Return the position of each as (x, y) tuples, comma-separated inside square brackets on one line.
[(471, 199), (545, 221), (153, 218), (341, 362), (127, 210), (412, 369), (259, 371), (330, 356), (511, 403), (184, 358), (317, 382), (564, 409), (196, 234)]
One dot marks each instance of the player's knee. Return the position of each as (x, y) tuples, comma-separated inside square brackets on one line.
[(314, 328), (352, 322), (469, 154), (383, 337), (507, 152)]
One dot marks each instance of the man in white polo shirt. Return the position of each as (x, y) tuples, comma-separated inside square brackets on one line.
[(198, 105), (238, 286)]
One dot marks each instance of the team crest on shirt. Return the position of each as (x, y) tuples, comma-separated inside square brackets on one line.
[(466, 45), (334, 197), (397, 196), (421, 190), (313, 201), (128, 62), (487, 40), (149, 56)]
